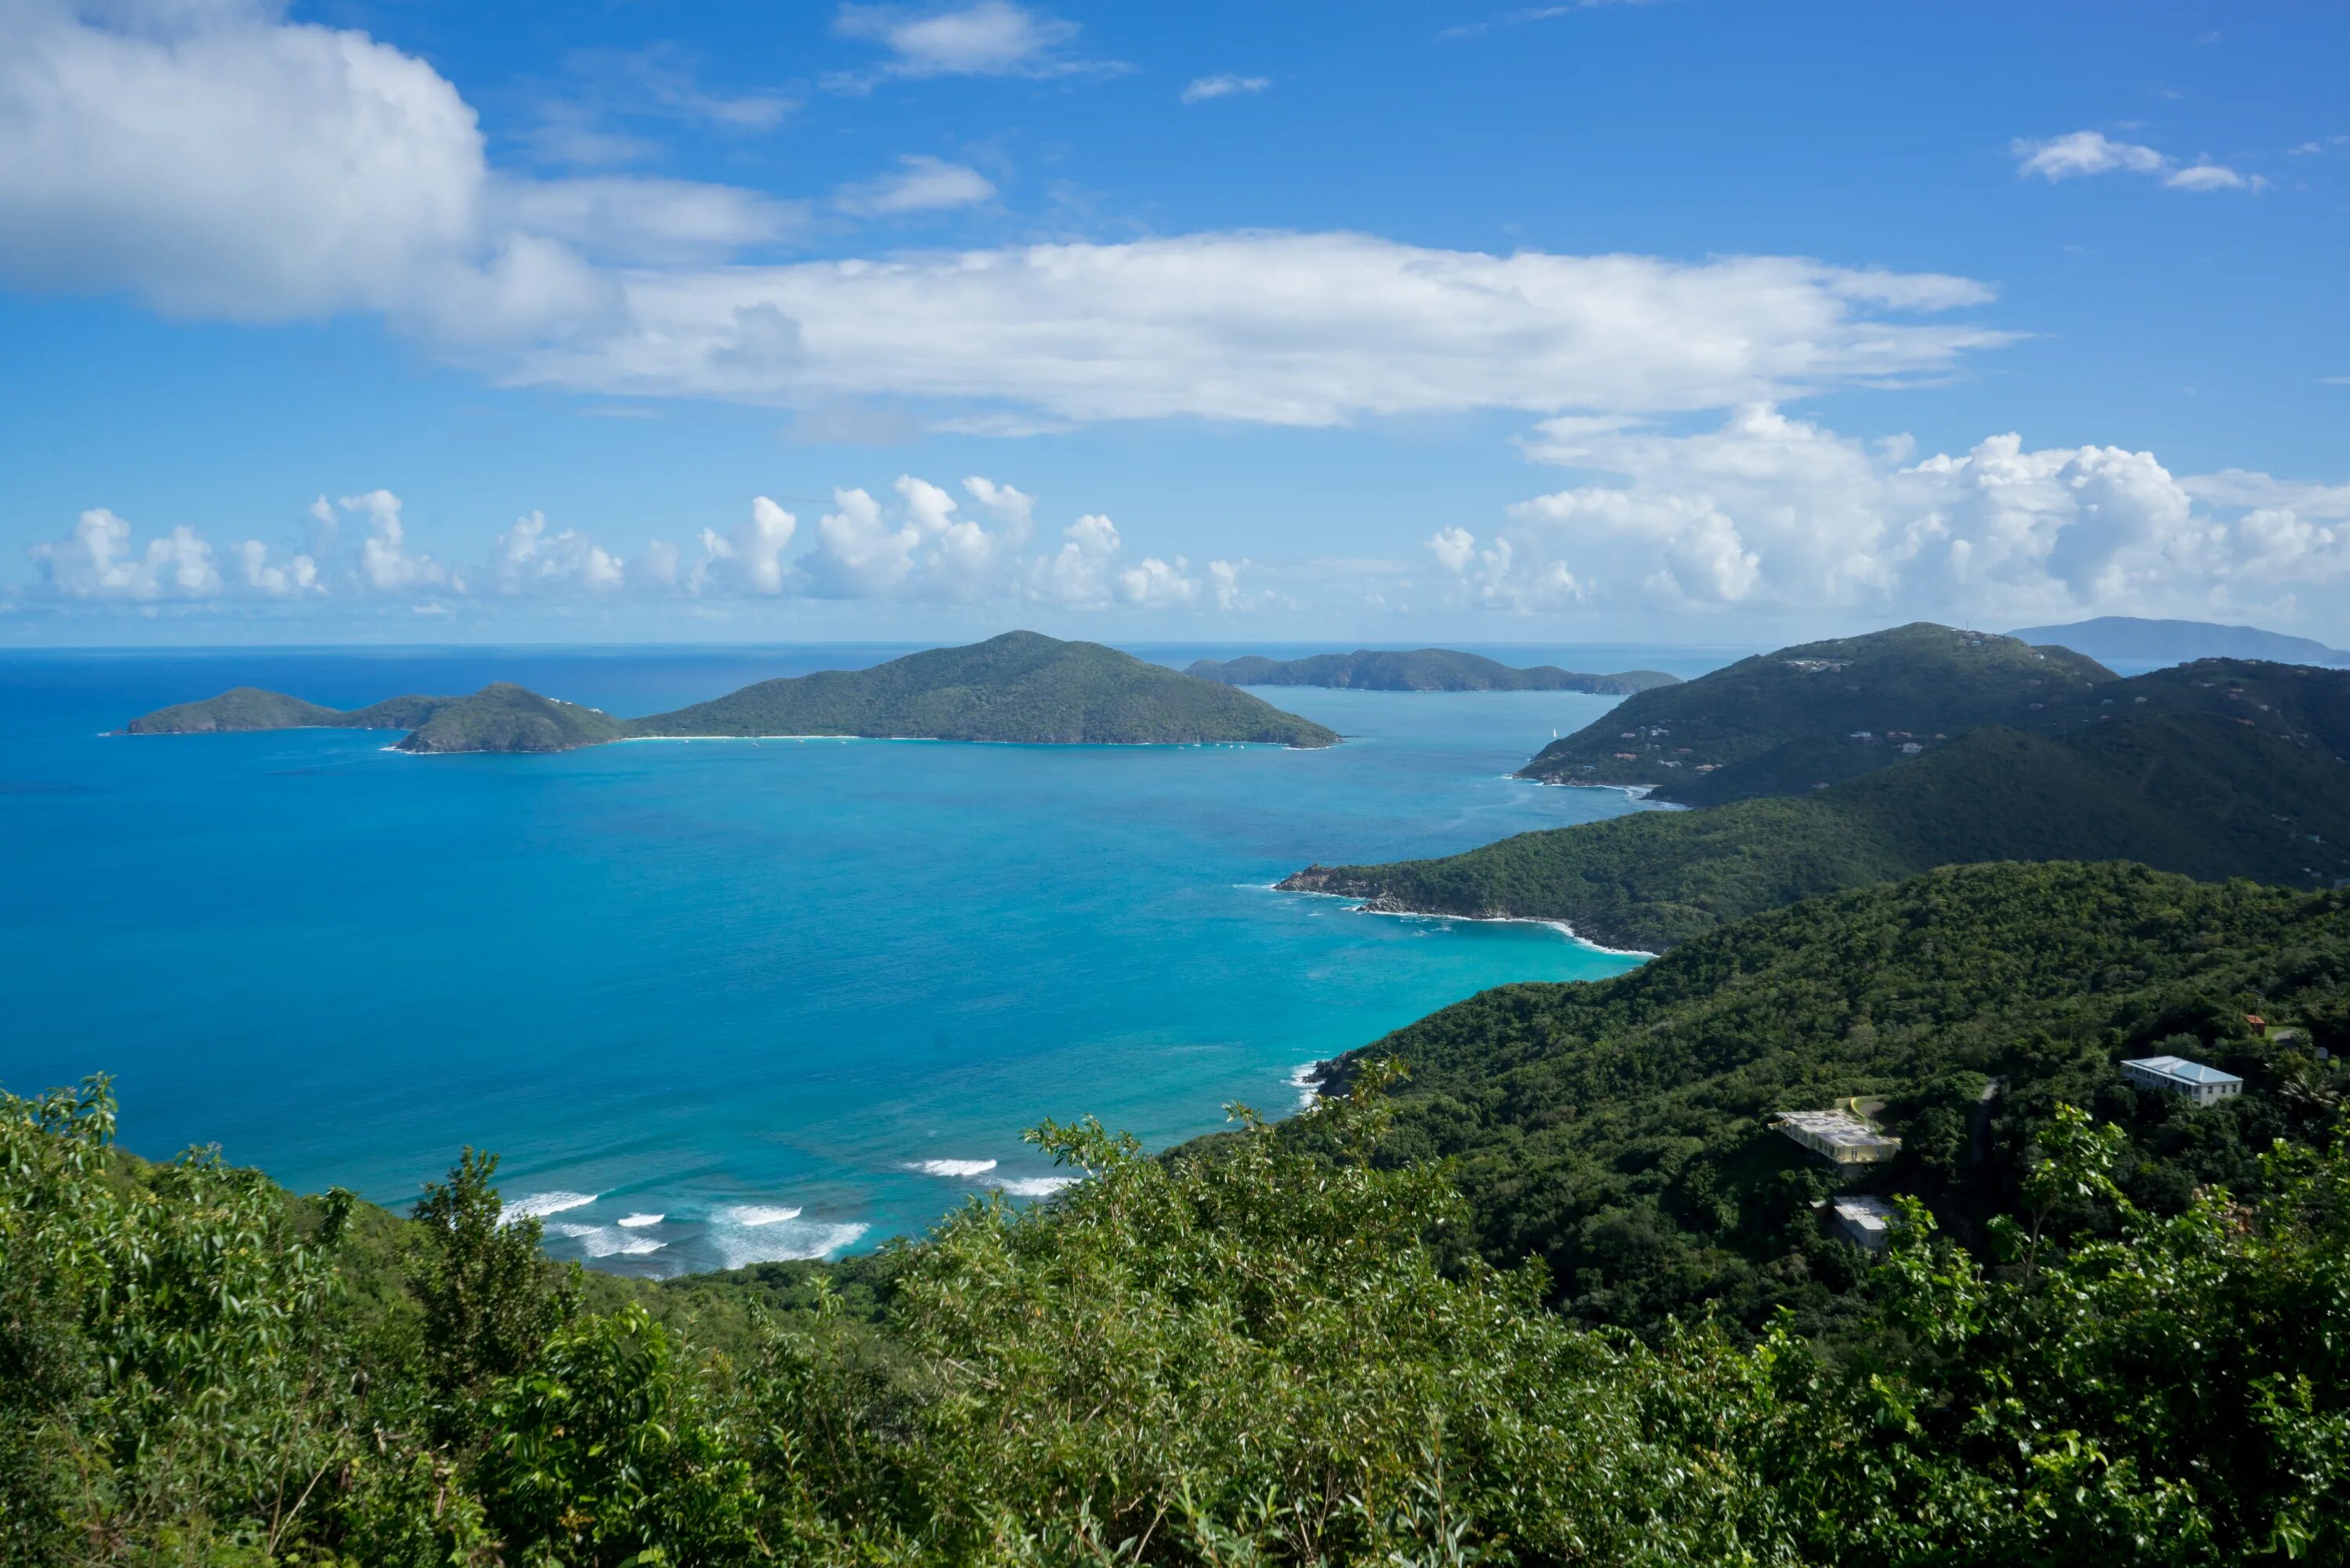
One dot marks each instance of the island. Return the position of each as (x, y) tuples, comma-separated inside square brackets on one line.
[(1423, 670), (2217, 769), (1020, 688), (2178, 642)]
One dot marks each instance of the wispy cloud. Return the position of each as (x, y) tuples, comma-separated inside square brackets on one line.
[(990, 38), (1526, 14), (1202, 89), (2086, 152), (592, 121), (921, 184)]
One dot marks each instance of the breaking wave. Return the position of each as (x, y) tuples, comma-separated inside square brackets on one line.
[(781, 1241), (962, 1168), (538, 1205), (1035, 1186)]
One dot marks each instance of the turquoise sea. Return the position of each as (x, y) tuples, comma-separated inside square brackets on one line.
[(764, 1000)]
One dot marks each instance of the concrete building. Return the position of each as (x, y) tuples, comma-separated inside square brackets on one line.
[(1864, 1221), (1838, 1136), (2177, 1075)]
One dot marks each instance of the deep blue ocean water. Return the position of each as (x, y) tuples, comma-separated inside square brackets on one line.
[(789, 997)]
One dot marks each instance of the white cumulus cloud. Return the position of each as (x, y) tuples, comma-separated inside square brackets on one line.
[(529, 559), (748, 557), (219, 161), (916, 545), (98, 561), (1773, 513), (385, 562)]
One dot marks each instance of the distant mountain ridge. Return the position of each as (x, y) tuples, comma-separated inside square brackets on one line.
[(1020, 687), (2180, 641), (2216, 769), (1422, 669)]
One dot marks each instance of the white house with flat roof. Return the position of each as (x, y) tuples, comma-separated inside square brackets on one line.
[(2178, 1076), (1838, 1136), (1863, 1220)]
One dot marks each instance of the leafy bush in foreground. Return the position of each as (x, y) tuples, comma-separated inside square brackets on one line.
[(1243, 1353)]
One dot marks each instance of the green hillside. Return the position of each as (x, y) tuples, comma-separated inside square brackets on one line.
[(503, 717), (1426, 669), (2106, 1329), (2182, 791), (248, 708), (1020, 687), (1819, 712), (1618, 1130)]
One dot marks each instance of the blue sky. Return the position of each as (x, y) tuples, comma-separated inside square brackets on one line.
[(1682, 320)]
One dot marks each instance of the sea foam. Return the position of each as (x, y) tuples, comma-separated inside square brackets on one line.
[(634, 1220), (538, 1205), (751, 1216), (1035, 1186), (781, 1241), (963, 1167)]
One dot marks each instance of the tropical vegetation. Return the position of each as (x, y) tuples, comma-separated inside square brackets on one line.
[(2214, 770), (2117, 1335), (1845, 706)]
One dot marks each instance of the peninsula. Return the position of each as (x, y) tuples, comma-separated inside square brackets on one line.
[(1020, 687), (2218, 769), (1423, 670), (1779, 723)]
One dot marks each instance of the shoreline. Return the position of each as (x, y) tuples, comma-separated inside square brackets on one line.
[(1564, 927), (1633, 791)]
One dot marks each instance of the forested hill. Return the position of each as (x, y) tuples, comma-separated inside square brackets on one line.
[(1020, 687), (2131, 637), (2183, 781), (250, 708), (1284, 1346), (1424, 669), (1618, 1130), (504, 717), (1017, 686), (1819, 712)]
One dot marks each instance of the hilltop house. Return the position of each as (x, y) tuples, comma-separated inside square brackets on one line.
[(1863, 1221), (1838, 1136), (2177, 1075)]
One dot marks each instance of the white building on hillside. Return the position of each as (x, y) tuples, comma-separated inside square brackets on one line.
[(1838, 1136), (1863, 1220), (2178, 1076)]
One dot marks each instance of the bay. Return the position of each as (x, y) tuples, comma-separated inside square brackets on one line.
[(789, 998)]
